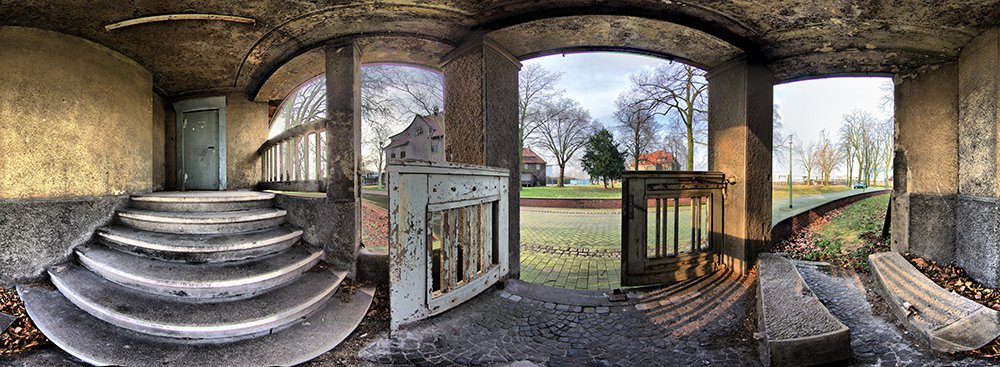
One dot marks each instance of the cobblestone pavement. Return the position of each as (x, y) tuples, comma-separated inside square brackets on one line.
[(876, 340), (697, 322)]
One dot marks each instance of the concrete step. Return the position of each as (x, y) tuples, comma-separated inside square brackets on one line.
[(945, 320), (100, 343), (203, 201), (202, 222), (198, 247), (172, 317), (797, 328), (201, 282)]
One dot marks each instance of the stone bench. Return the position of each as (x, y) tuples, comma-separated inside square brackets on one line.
[(797, 330), (947, 321)]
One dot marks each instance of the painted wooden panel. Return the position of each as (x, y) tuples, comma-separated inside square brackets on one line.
[(445, 247)]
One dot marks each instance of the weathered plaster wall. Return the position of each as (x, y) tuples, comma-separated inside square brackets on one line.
[(76, 118), (926, 163), (739, 141), (321, 220), (976, 246), (170, 148), (39, 233), (159, 130), (480, 87), (246, 130)]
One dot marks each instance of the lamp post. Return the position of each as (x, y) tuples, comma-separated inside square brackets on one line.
[(789, 171)]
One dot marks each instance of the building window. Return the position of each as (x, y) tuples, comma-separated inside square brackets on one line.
[(526, 167), (402, 154), (420, 131), (433, 148), (393, 155)]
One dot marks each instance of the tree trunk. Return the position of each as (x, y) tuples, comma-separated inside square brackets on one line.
[(562, 169)]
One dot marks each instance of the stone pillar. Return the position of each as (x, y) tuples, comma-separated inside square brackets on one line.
[(480, 100), (925, 168), (343, 134), (976, 247), (740, 127)]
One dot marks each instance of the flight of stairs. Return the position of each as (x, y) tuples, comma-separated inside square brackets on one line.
[(196, 279)]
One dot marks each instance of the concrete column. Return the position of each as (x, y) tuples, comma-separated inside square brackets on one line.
[(976, 247), (740, 127), (343, 134), (480, 100), (925, 169)]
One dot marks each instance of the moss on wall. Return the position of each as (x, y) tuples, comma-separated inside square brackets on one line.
[(76, 118)]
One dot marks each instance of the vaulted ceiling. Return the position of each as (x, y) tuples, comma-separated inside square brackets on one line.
[(796, 39)]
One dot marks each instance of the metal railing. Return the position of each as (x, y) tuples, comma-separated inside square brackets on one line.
[(295, 160), (447, 235)]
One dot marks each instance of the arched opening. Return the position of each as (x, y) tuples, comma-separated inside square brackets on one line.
[(836, 136), (638, 106)]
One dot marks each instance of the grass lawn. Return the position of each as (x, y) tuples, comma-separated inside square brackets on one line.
[(843, 237), (572, 191), (598, 191)]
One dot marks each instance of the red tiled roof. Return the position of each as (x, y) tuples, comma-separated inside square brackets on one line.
[(531, 157), (657, 157)]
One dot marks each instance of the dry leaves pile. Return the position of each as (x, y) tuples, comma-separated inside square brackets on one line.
[(955, 279), (801, 242), (375, 225), (22, 334)]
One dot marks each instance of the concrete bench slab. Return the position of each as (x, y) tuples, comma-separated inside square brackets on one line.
[(797, 329), (947, 321)]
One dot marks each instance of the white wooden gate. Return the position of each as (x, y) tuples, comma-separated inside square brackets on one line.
[(447, 235), (671, 225)]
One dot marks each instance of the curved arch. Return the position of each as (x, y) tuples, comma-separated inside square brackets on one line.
[(589, 33), (695, 17), (393, 48), (441, 25)]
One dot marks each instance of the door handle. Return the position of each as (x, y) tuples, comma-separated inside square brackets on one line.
[(211, 148)]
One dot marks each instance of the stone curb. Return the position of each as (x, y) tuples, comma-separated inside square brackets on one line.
[(797, 329), (948, 322)]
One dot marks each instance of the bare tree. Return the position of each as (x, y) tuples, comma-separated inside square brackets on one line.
[(566, 132), (678, 89), (675, 142), (535, 86), (886, 142), (637, 123), (377, 138), (827, 157), (777, 137), (412, 90), (808, 158), (405, 91), (858, 133)]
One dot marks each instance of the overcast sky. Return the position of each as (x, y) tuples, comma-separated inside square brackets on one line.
[(806, 107)]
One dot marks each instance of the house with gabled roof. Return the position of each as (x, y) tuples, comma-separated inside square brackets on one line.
[(532, 169), (657, 161), (423, 140)]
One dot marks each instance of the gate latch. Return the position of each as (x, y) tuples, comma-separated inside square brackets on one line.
[(730, 180)]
